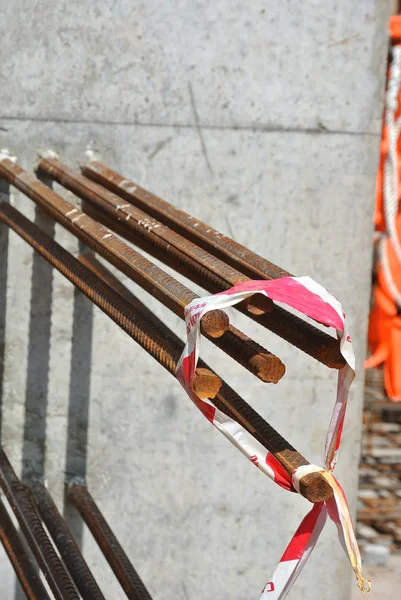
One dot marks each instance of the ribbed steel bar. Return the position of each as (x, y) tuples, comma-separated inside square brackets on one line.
[(251, 355), (313, 486), (301, 334), (123, 569), (105, 298), (21, 503), (169, 291), (24, 567), (66, 544), (148, 233), (143, 330), (173, 294)]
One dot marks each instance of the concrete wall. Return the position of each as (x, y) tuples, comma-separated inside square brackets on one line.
[(262, 118)]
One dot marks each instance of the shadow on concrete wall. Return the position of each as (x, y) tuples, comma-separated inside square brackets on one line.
[(36, 399), (78, 409), (4, 197)]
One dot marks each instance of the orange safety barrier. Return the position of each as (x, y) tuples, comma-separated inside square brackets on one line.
[(384, 335)]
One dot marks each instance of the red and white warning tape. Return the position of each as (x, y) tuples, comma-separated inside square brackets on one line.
[(311, 299)]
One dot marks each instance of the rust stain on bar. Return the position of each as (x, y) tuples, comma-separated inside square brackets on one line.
[(307, 338)]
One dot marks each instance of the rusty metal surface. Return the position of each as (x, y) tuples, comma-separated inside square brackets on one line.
[(168, 290), (233, 253), (103, 296), (24, 509), (314, 488), (66, 544), (304, 336), (137, 323), (129, 579), (146, 231), (24, 567)]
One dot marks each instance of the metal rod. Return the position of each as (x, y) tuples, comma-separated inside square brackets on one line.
[(169, 291), (129, 579), (227, 400), (24, 567), (215, 324), (20, 501), (298, 332), (313, 486), (147, 232), (66, 544), (103, 296)]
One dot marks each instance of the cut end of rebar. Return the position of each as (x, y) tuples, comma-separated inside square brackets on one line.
[(206, 384), (333, 357), (315, 488), (268, 367), (258, 304), (215, 323)]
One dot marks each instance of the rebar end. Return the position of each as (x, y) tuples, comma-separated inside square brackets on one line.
[(215, 323), (206, 384), (315, 488)]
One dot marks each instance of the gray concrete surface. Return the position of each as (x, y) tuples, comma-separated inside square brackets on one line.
[(262, 119), (385, 580)]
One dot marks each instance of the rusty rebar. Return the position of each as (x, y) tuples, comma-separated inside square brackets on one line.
[(21, 503), (298, 332), (150, 234), (66, 544), (169, 291), (118, 560), (24, 567), (103, 296), (313, 487)]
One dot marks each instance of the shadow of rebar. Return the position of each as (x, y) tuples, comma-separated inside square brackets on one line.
[(78, 408)]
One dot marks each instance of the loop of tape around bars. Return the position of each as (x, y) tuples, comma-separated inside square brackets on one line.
[(312, 300)]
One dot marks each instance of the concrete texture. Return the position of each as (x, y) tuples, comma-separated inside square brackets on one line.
[(385, 580), (262, 120)]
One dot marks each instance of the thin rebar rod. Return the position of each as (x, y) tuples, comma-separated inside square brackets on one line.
[(227, 400), (24, 509), (23, 565), (313, 486), (169, 291), (147, 232), (101, 295), (298, 332), (66, 544), (118, 560)]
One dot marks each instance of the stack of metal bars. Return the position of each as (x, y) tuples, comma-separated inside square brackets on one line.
[(115, 209)]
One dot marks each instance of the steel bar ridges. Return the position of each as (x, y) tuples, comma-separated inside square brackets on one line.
[(24, 509), (313, 487), (66, 544), (102, 295), (168, 290), (301, 334), (24, 567), (147, 231), (129, 579)]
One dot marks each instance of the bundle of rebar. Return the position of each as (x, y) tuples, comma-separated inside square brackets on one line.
[(116, 215)]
